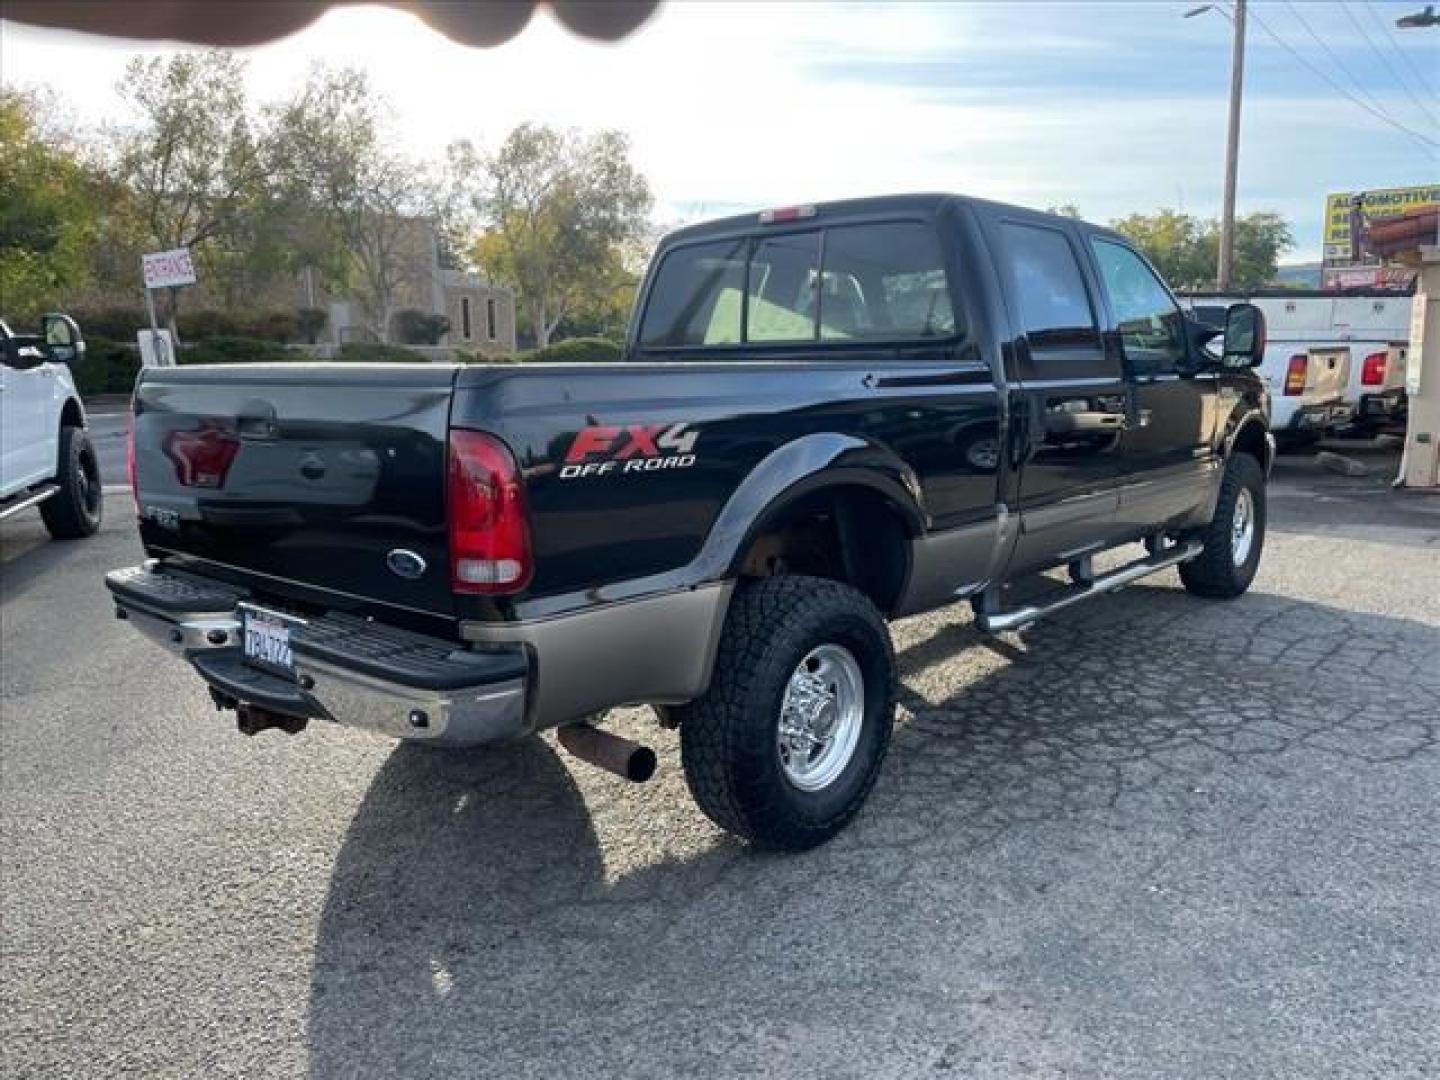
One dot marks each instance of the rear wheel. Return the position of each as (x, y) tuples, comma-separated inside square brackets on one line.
[(75, 510), (786, 744), (1235, 536)]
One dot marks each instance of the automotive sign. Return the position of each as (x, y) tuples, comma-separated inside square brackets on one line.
[(166, 268), (1378, 203)]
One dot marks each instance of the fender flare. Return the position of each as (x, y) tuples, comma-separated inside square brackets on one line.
[(799, 468), (1247, 419)]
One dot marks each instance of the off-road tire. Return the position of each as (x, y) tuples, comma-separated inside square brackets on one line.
[(75, 510), (729, 737), (1214, 572)]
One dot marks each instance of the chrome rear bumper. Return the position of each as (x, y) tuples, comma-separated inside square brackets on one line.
[(448, 696)]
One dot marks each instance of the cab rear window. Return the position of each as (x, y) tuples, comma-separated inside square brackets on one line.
[(880, 281)]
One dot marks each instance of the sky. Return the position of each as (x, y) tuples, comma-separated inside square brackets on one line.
[(1114, 107)]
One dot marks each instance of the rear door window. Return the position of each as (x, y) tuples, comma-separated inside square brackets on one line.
[(1049, 291), (880, 281)]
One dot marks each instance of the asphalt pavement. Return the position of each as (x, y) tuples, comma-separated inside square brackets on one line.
[(1152, 837)]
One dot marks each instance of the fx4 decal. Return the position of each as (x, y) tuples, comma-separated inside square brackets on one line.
[(601, 450)]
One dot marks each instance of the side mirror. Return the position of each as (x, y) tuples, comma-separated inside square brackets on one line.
[(62, 337), (1244, 336)]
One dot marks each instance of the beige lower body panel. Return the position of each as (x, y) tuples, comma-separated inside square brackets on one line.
[(653, 650)]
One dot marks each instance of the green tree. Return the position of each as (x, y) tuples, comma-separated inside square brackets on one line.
[(357, 209), (559, 212), (1185, 249), (195, 165), (1260, 239), (48, 213), (1174, 242)]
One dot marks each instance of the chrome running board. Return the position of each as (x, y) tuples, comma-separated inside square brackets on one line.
[(31, 498), (1000, 621)]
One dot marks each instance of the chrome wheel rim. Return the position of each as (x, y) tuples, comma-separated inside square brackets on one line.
[(820, 717), (1242, 527)]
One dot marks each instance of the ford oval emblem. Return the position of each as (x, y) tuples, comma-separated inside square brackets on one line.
[(405, 564)]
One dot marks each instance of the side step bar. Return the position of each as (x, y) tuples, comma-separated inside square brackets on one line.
[(34, 497), (1000, 621)]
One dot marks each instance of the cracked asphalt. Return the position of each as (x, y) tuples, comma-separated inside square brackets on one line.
[(1153, 837)]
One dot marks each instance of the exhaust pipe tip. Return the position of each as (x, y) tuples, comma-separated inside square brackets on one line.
[(641, 766), (629, 760)]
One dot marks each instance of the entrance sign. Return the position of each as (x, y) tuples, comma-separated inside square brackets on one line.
[(164, 269)]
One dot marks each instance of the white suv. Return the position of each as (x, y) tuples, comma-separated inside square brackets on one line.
[(46, 456)]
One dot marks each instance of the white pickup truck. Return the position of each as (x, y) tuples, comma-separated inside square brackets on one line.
[(46, 456), (1335, 362)]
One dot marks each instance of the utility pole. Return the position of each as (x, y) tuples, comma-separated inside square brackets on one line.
[(1225, 271), (1225, 264)]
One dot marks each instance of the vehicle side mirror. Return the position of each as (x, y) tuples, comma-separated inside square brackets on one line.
[(1244, 336), (63, 340)]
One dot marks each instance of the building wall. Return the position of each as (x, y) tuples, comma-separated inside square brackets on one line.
[(481, 314), (422, 283)]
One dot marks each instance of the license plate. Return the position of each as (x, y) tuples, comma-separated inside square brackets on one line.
[(267, 641)]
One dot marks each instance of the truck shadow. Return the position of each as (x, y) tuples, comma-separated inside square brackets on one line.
[(28, 555), (475, 925)]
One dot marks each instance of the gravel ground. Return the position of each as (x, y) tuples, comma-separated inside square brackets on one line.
[(1154, 837)]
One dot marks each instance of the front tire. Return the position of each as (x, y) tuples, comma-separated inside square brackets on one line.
[(75, 510), (784, 747), (1235, 536)]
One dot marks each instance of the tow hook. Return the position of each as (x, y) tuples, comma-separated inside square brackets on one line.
[(252, 719), (610, 752)]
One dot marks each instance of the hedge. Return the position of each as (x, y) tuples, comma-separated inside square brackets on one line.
[(237, 350), (583, 350), (357, 352), (202, 324), (110, 367)]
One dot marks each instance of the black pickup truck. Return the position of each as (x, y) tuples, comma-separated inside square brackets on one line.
[(827, 416)]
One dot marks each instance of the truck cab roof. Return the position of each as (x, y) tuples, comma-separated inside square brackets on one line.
[(923, 204)]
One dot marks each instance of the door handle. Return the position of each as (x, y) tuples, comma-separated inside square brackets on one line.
[(1063, 422)]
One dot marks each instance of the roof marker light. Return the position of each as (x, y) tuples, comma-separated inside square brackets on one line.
[(782, 214)]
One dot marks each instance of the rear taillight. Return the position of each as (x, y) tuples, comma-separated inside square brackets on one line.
[(1295, 374), (1373, 371), (202, 457), (489, 526), (130, 461)]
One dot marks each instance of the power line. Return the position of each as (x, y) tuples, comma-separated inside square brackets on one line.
[(1389, 35), (1425, 140), (1389, 67), (1344, 68)]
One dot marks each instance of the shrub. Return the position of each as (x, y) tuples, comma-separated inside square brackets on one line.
[(474, 356), (205, 324), (416, 327), (111, 323), (237, 350), (281, 326), (109, 367), (586, 350), (208, 324), (364, 353), (309, 322)]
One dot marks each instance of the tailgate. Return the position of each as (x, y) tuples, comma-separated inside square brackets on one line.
[(1327, 375), (309, 473)]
